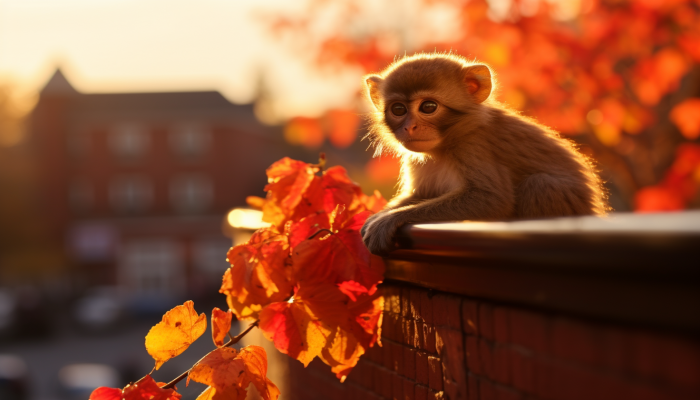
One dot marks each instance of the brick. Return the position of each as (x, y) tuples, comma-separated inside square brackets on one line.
[(386, 385), (454, 312), (397, 358), (485, 324), (487, 391), (501, 325), (391, 327), (501, 364), (429, 338), (522, 370), (529, 329), (503, 393), (392, 299), (409, 391), (576, 341), (469, 316), (422, 392), (408, 332), (365, 371), (407, 311), (426, 306), (388, 354), (617, 354), (486, 358), (380, 375), (472, 355), (396, 387), (440, 310), (418, 338), (450, 345), (409, 363), (415, 296), (375, 354), (434, 373), (422, 368), (473, 382)]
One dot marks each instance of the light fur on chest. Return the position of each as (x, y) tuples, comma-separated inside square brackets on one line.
[(431, 179)]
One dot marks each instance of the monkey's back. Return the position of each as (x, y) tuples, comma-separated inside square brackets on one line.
[(540, 160)]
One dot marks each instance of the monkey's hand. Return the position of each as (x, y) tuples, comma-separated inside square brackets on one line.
[(379, 229)]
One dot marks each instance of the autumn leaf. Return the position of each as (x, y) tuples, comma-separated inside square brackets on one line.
[(293, 190), (342, 352), (220, 325), (294, 330), (144, 389), (340, 256), (259, 273), (686, 116), (228, 372), (179, 328)]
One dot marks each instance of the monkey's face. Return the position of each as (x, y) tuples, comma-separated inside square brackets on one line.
[(415, 122)]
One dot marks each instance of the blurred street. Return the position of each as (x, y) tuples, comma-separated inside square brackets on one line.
[(122, 350)]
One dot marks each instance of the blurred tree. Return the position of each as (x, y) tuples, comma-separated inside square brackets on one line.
[(620, 77)]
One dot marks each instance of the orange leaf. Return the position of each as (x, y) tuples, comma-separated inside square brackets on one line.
[(686, 116), (258, 273), (256, 367), (655, 199), (293, 192), (294, 330), (229, 372), (220, 325), (144, 389), (342, 353), (179, 328)]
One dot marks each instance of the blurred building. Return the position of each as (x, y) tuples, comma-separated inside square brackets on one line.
[(137, 184)]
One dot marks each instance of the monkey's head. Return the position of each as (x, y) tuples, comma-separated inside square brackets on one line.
[(419, 98)]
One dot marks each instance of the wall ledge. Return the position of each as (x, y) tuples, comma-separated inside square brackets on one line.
[(640, 269)]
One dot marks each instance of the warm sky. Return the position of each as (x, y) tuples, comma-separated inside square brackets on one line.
[(156, 45), (169, 45)]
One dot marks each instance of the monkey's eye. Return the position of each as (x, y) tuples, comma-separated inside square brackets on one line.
[(428, 107), (398, 109)]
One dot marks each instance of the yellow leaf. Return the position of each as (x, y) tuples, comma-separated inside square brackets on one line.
[(179, 328)]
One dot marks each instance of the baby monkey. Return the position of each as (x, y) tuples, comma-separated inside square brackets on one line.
[(464, 156)]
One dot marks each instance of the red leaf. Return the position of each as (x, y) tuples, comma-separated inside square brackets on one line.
[(144, 389), (339, 257)]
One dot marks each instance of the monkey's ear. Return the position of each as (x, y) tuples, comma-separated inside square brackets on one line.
[(477, 79), (375, 95)]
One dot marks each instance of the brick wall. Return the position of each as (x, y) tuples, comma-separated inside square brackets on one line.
[(442, 346)]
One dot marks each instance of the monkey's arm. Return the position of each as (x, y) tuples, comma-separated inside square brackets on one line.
[(465, 204)]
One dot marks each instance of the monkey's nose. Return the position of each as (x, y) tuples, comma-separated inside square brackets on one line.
[(411, 129)]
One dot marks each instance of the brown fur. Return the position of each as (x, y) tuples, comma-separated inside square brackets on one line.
[(489, 163)]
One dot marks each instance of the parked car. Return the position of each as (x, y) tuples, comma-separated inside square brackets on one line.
[(13, 378), (77, 381), (100, 309)]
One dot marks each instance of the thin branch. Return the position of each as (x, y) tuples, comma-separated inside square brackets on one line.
[(230, 343), (319, 231)]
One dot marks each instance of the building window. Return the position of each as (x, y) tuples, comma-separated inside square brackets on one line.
[(189, 141), (131, 193), (152, 268), (129, 142), (191, 193), (80, 195)]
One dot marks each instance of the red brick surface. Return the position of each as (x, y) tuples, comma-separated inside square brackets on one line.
[(442, 346)]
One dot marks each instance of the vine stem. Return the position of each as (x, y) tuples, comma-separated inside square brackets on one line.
[(230, 343), (320, 231)]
